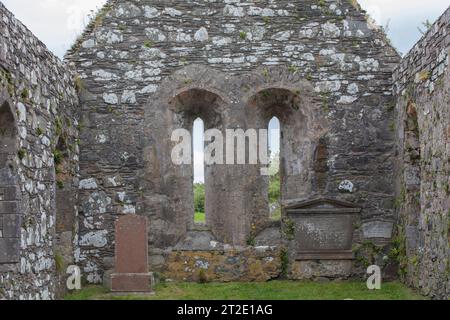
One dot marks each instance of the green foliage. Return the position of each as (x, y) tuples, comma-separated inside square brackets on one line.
[(199, 197), (325, 97), (59, 263), (200, 218), (6, 80), (292, 69), (398, 251), (289, 229), (58, 126), (148, 44), (426, 25), (243, 35), (25, 94), (21, 153), (275, 187), (251, 241), (367, 253), (39, 131), (202, 277), (57, 156), (284, 258), (60, 184), (199, 203), (392, 126)]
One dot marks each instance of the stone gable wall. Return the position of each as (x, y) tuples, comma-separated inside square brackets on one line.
[(133, 46), (40, 91), (422, 88), (70, 172)]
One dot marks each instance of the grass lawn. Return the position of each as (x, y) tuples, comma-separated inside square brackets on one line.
[(274, 290), (200, 218)]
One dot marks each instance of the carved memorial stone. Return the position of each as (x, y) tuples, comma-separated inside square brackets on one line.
[(323, 229)]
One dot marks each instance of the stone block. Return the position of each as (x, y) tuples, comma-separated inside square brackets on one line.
[(65, 210), (333, 269), (8, 207), (378, 229), (11, 226), (9, 193), (9, 250)]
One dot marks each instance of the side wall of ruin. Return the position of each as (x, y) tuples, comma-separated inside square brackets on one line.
[(422, 84), (38, 163)]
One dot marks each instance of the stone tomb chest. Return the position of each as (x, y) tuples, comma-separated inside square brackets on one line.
[(323, 228)]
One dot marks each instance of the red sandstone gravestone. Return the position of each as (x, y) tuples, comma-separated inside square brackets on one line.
[(131, 273)]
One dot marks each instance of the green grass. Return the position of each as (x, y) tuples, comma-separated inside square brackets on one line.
[(200, 218), (276, 215), (274, 290)]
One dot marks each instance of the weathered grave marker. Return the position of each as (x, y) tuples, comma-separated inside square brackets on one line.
[(131, 272)]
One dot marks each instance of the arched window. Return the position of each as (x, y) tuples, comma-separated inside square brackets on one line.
[(274, 190), (9, 190), (7, 135), (199, 171)]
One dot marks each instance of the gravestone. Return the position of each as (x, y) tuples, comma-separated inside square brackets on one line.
[(323, 229), (131, 271)]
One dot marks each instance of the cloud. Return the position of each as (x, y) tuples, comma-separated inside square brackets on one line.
[(403, 17), (58, 22)]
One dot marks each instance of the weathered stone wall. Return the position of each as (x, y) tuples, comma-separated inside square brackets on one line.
[(230, 55), (38, 103), (225, 265), (423, 90), (149, 67)]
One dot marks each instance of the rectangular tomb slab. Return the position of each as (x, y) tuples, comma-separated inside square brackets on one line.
[(131, 272), (323, 229)]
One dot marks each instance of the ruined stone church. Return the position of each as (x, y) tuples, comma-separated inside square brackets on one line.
[(365, 145)]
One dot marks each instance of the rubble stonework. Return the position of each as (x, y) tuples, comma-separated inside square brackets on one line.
[(154, 66), (38, 99), (88, 146), (423, 90)]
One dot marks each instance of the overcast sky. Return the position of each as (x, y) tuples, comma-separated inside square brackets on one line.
[(58, 23)]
